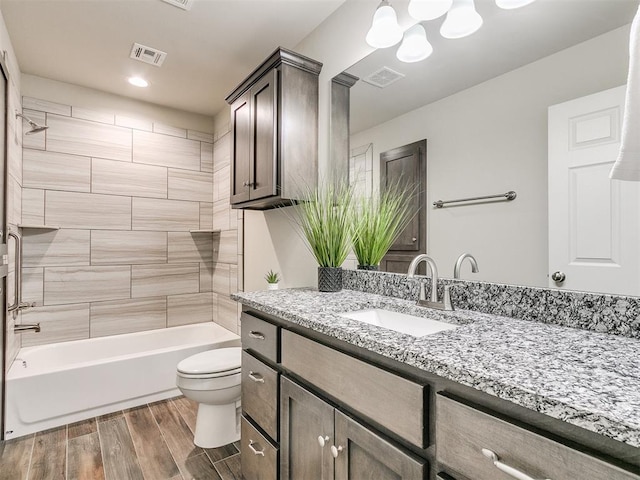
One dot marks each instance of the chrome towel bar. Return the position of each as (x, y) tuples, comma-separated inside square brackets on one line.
[(510, 195)]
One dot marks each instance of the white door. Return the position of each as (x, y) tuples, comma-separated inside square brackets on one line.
[(593, 221)]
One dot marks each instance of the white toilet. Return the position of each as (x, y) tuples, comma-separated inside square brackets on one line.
[(212, 379)]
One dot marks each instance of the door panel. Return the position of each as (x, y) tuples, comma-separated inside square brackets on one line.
[(4, 87), (263, 99), (304, 418), (240, 149), (594, 222)]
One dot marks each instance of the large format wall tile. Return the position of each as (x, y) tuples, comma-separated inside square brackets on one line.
[(32, 206), (222, 153), (58, 324), (166, 151), (221, 184), (185, 247), (79, 137), (86, 284), (135, 123), (128, 247), (201, 136), (156, 280), (169, 130), (227, 313), (185, 309), (93, 115), (47, 248), (168, 215), (221, 278), (33, 285), (56, 171), (206, 277), (126, 316), (45, 106), (206, 157), (132, 179), (225, 247), (87, 210), (221, 212), (206, 215), (186, 185), (34, 141)]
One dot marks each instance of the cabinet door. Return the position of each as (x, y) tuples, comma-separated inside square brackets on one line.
[(240, 148), (264, 124), (363, 454), (304, 419)]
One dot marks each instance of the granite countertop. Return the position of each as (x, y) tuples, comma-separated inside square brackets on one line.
[(585, 378)]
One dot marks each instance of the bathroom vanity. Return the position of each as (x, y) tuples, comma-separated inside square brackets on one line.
[(495, 398)]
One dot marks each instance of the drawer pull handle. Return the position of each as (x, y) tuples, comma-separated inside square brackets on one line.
[(514, 472), (335, 451), (256, 335), (256, 377), (253, 449), (322, 440)]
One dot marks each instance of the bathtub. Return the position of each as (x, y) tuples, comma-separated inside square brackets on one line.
[(51, 385)]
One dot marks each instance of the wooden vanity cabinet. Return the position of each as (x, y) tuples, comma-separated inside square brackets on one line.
[(321, 442), (274, 130), (480, 446)]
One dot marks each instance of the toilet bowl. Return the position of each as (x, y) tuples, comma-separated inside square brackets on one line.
[(212, 379)]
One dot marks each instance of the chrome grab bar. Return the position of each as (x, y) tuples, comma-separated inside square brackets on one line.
[(23, 327), (17, 275), (511, 195)]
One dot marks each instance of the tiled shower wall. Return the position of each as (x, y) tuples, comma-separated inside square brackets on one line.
[(125, 193)]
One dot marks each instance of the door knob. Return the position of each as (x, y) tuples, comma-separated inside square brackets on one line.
[(558, 277)]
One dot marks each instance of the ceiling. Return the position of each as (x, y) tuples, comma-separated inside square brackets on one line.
[(210, 48), (508, 39)]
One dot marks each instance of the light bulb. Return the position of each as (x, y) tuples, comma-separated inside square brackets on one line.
[(428, 9), (511, 4), (462, 20), (138, 82), (385, 31), (415, 46)]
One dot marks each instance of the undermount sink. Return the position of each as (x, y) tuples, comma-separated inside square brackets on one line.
[(400, 322)]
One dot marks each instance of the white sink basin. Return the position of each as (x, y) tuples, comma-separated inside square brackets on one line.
[(400, 322)]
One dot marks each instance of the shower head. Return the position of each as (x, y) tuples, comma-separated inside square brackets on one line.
[(35, 128)]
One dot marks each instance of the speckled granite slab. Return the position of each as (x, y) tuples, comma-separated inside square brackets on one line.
[(617, 315), (586, 378)]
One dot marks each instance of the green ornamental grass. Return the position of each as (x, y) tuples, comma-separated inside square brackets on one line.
[(377, 222)]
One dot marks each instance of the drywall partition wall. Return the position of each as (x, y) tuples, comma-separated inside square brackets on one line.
[(125, 191), (492, 138), (14, 179)]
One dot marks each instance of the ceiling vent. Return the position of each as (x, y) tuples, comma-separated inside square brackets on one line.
[(149, 55), (383, 77), (183, 4)]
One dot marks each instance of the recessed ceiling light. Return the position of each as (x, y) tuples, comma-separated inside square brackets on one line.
[(138, 81)]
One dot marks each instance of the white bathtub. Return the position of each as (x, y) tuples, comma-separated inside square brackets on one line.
[(52, 385)]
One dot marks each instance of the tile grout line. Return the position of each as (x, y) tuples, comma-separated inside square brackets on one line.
[(33, 446), (104, 470), (66, 444)]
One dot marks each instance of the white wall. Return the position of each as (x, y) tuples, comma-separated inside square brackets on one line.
[(490, 139)]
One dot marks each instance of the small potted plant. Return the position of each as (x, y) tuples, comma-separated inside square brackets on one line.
[(323, 216), (272, 279), (377, 222)]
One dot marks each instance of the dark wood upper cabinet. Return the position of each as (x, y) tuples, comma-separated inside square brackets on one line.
[(274, 127)]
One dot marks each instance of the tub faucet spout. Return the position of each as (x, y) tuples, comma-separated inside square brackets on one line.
[(26, 327), (445, 304)]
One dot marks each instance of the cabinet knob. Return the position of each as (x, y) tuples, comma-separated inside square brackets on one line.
[(335, 451), (322, 440)]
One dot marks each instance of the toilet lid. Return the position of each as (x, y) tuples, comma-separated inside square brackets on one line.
[(212, 361)]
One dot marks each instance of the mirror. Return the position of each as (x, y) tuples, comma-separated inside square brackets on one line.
[(482, 104)]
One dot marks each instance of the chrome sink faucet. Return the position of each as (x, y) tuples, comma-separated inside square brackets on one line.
[(472, 260), (422, 300)]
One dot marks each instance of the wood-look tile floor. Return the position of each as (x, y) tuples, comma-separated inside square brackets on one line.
[(150, 442)]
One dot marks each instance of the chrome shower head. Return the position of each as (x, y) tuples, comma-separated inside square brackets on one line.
[(35, 128)]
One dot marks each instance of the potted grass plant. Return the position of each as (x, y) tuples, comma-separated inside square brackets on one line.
[(272, 279), (377, 222), (323, 217)]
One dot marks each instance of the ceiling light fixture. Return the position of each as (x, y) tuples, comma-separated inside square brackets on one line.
[(511, 4), (462, 20), (138, 82), (415, 46), (430, 9), (385, 31)]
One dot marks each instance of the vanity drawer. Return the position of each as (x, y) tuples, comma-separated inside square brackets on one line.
[(259, 457), (393, 402), (260, 393), (462, 433), (260, 337)]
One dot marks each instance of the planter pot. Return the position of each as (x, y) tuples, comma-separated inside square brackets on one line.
[(329, 279), (369, 267), (272, 286)]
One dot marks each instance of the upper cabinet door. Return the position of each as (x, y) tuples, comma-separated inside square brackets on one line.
[(240, 148), (264, 133)]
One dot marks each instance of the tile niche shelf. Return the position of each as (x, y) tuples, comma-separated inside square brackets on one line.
[(38, 227)]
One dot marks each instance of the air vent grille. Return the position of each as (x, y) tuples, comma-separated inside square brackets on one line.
[(383, 77), (149, 55), (183, 4)]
